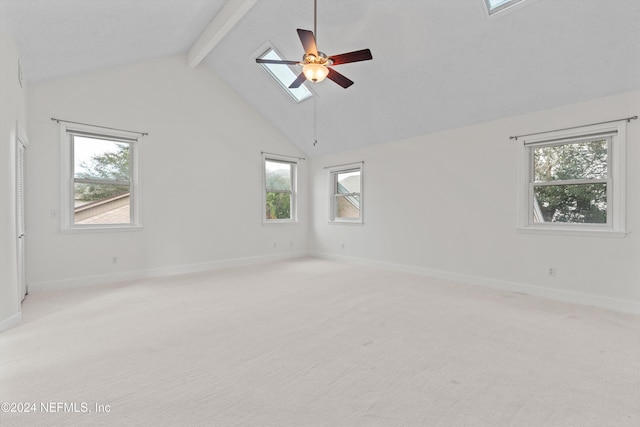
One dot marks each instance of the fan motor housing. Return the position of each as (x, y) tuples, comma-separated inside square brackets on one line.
[(321, 59)]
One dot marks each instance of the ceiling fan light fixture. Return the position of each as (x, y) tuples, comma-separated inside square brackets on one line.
[(315, 72)]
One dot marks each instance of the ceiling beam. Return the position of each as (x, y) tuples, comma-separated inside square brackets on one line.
[(220, 25)]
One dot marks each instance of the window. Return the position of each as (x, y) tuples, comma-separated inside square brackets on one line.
[(575, 179), (346, 193), (279, 190), (284, 75), (495, 6), (99, 179)]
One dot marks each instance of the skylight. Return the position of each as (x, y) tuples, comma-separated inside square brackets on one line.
[(284, 75), (495, 6)]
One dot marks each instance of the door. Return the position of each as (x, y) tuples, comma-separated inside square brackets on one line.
[(22, 283)]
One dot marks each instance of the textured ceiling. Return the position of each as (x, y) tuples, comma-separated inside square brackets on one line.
[(438, 64), (57, 38)]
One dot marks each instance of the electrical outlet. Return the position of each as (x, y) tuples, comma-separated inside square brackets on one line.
[(552, 272), (114, 260)]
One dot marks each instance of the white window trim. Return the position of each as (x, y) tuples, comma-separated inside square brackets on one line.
[(616, 202), (294, 189), (332, 173), (66, 182), (504, 8)]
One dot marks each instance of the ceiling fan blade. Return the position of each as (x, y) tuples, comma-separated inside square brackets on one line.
[(358, 55), (276, 61), (308, 42), (339, 78), (298, 81)]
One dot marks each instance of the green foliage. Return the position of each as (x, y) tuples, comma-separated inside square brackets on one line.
[(573, 203), (278, 204), (112, 166), (93, 192), (569, 201)]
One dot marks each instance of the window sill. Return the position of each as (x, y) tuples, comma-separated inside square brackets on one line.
[(280, 222), (102, 229), (570, 231)]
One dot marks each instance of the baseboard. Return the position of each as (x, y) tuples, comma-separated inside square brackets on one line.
[(11, 322), (81, 282), (632, 307)]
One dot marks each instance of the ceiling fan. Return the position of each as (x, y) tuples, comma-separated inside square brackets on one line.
[(315, 64)]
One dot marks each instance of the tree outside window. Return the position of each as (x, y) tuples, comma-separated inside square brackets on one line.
[(279, 188), (101, 180), (570, 182)]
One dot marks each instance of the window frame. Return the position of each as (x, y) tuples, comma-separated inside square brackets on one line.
[(293, 162), (615, 133), (68, 180), (333, 172), (491, 10), (262, 52)]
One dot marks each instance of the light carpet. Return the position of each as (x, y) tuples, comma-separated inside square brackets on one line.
[(312, 342)]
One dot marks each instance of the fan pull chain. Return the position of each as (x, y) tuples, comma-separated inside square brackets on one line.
[(315, 97), (315, 120)]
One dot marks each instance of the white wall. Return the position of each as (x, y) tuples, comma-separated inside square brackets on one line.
[(12, 111), (200, 174), (443, 204), (446, 205)]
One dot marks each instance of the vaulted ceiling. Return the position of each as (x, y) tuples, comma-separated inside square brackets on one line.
[(438, 64)]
